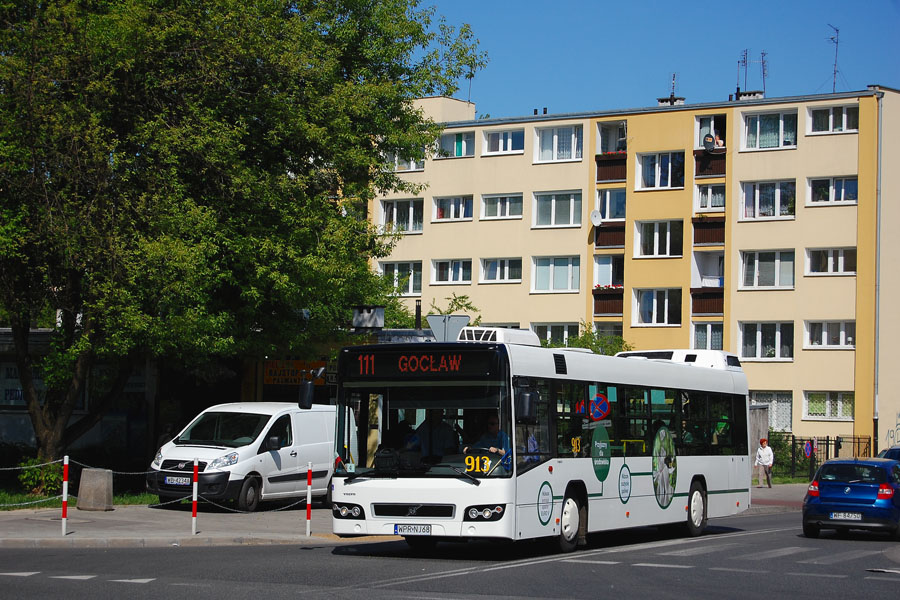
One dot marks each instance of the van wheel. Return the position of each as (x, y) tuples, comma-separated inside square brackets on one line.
[(248, 498), (696, 510)]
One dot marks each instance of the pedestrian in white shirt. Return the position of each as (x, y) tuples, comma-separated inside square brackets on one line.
[(764, 460)]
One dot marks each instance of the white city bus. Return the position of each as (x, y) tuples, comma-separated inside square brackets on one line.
[(593, 442)]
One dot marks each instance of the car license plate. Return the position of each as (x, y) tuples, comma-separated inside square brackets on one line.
[(846, 516), (178, 480), (412, 529)]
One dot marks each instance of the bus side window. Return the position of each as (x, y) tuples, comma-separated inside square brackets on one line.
[(533, 436), (570, 415)]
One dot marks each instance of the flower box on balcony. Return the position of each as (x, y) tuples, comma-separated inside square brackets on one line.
[(608, 299), (611, 166)]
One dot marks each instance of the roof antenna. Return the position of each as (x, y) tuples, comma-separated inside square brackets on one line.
[(834, 40), (764, 67)]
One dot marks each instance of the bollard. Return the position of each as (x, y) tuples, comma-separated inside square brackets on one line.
[(308, 497), (194, 507), (65, 493)]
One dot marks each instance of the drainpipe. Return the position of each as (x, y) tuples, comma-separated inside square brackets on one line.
[(880, 96)]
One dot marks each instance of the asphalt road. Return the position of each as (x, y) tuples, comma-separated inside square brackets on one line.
[(753, 556)]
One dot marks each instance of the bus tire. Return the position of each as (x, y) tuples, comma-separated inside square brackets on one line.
[(569, 524), (248, 497), (696, 510)]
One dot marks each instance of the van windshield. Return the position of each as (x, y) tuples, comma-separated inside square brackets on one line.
[(224, 429)]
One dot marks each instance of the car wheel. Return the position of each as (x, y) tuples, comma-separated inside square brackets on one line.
[(569, 523), (810, 530), (248, 497), (696, 510)]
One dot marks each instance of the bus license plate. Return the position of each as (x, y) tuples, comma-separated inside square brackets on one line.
[(846, 516), (412, 529), (178, 480)]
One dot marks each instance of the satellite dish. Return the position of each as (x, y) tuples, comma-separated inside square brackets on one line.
[(596, 218), (709, 142)]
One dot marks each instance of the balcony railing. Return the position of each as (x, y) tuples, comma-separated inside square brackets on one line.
[(709, 230), (610, 235), (707, 301), (608, 301), (710, 164), (612, 166)]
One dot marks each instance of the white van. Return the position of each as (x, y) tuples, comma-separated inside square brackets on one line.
[(249, 452)]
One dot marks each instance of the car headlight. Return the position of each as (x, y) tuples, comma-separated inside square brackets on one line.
[(224, 461), (158, 460)]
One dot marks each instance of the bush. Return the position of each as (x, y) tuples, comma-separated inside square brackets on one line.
[(45, 480)]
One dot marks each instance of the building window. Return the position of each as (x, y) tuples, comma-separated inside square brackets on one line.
[(770, 130), (611, 204), (832, 406), (602, 329), (504, 142), (501, 270), (769, 200), (780, 408), (557, 274), (770, 269), (837, 190), (609, 271), (708, 336), (559, 143), (405, 164), (658, 307), (661, 171), (767, 341), (452, 271), (501, 207), (559, 209), (711, 198), (457, 208), (836, 119), (831, 334), (713, 125), (660, 238), (613, 137), (831, 261), (558, 333), (454, 145), (403, 215), (406, 276)]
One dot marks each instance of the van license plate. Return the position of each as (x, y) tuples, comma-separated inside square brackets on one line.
[(846, 516), (178, 481), (412, 529)]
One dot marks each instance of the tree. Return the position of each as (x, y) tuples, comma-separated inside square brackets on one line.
[(458, 304), (598, 344), (189, 180)]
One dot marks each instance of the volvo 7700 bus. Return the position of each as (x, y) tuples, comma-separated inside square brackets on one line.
[(499, 438)]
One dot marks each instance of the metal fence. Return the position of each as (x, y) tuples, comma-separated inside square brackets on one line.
[(800, 456)]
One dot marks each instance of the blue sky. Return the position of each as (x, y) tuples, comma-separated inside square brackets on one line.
[(582, 55)]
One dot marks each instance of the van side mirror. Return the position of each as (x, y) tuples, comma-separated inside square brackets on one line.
[(526, 406), (273, 443), (307, 391)]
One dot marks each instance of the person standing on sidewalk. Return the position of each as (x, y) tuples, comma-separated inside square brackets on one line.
[(764, 460)]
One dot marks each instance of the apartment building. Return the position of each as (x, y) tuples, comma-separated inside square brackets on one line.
[(761, 226)]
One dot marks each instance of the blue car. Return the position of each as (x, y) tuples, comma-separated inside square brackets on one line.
[(893, 452), (854, 493)]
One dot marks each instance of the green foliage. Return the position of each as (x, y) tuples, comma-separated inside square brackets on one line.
[(45, 480), (458, 304), (588, 338)]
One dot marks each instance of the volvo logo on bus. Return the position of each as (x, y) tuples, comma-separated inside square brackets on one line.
[(412, 510)]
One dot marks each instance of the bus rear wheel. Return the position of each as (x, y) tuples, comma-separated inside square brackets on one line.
[(569, 524), (696, 510)]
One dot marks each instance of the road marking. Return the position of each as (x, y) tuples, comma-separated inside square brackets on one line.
[(21, 574), (836, 558), (696, 550), (831, 575), (894, 579), (134, 580), (883, 571), (737, 570), (777, 553), (76, 577), (662, 566), (593, 562)]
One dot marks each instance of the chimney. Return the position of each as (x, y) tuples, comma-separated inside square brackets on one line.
[(418, 314)]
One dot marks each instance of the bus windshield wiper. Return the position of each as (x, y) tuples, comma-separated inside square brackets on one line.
[(471, 478)]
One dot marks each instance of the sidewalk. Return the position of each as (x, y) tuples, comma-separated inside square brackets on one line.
[(778, 498)]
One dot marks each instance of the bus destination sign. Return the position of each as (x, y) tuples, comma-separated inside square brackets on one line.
[(418, 363)]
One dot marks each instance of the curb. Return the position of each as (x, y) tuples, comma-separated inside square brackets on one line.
[(175, 542)]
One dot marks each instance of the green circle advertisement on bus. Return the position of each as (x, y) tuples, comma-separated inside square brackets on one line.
[(665, 467), (600, 453), (624, 484), (545, 503)]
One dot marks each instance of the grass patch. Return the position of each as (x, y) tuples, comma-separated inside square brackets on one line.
[(20, 500)]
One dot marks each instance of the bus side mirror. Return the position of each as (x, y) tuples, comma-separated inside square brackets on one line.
[(307, 391), (526, 406)]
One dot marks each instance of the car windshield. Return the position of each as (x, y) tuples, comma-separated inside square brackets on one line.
[(228, 429), (847, 473), (893, 453)]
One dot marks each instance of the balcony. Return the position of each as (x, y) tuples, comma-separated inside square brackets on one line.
[(709, 164), (611, 166), (610, 235), (706, 300), (709, 231), (608, 301)]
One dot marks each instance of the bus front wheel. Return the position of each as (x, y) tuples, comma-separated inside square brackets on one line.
[(696, 510), (569, 522)]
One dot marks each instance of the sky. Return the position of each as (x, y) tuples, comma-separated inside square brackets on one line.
[(596, 55)]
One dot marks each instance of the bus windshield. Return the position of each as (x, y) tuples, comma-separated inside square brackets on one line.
[(439, 429)]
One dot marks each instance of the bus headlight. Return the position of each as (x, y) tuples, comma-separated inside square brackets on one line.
[(347, 511), (484, 512)]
